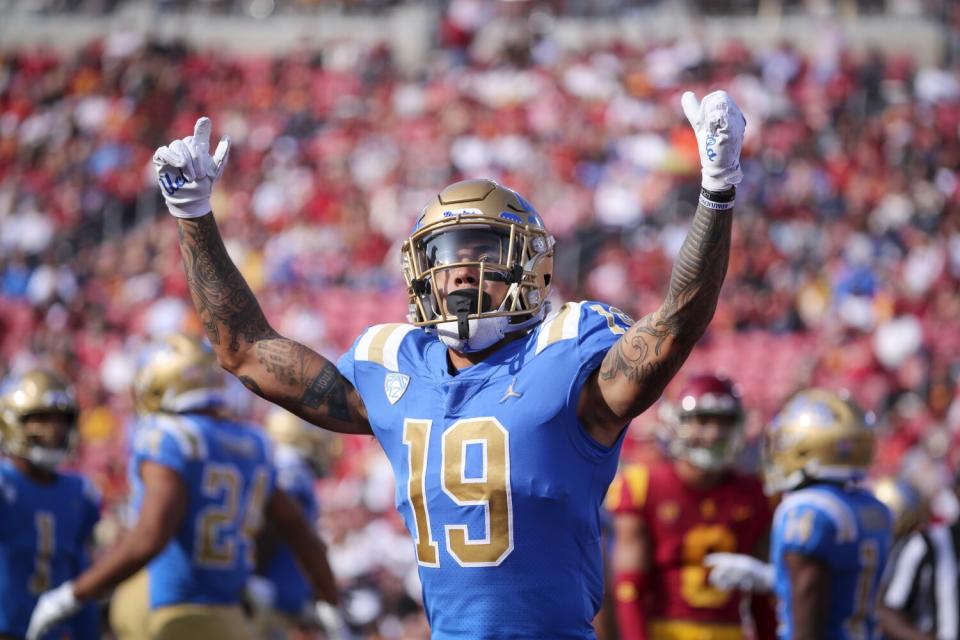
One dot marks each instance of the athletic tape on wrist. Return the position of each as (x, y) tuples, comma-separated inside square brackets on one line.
[(715, 206)]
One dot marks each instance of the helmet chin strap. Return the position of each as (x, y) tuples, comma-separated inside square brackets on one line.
[(477, 334), (482, 333)]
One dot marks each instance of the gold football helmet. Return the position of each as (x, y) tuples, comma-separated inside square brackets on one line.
[(907, 505), (35, 393), (177, 375), (818, 435), (497, 234), (319, 448)]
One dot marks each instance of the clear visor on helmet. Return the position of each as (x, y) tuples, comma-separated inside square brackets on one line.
[(458, 246)]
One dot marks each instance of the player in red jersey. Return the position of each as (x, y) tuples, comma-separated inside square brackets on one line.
[(669, 516)]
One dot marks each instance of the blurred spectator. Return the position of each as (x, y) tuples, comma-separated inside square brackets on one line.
[(846, 261)]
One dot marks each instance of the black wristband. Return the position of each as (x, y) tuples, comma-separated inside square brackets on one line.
[(720, 197)]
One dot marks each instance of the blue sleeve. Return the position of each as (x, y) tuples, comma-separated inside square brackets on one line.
[(7, 494), (89, 514), (288, 479), (157, 444), (92, 503), (86, 623), (805, 529), (600, 327)]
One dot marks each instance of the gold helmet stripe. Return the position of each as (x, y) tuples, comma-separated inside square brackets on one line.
[(381, 344), (563, 325)]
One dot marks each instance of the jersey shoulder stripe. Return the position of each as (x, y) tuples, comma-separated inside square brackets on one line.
[(838, 511), (562, 324), (380, 344), (638, 479), (185, 433), (628, 491)]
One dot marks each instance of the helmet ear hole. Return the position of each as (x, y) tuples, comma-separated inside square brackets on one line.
[(546, 280)]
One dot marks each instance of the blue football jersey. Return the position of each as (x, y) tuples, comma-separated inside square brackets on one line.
[(498, 483), (296, 478), (849, 530), (228, 474), (45, 531)]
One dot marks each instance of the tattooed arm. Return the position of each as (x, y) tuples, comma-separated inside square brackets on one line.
[(638, 367), (273, 367)]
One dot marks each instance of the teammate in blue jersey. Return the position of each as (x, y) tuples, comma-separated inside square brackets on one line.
[(46, 516), (204, 485), (301, 455), (502, 420), (830, 536)]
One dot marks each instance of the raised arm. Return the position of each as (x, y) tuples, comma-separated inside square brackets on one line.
[(639, 366), (276, 368)]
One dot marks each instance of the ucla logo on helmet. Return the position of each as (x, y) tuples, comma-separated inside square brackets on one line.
[(450, 213)]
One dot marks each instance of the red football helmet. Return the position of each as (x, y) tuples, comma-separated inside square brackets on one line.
[(705, 426)]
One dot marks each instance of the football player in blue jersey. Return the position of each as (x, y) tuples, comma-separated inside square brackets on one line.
[(204, 484), (501, 419), (301, 455), (831, 537), (46, 516)]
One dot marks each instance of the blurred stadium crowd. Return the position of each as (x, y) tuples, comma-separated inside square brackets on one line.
[(846, 258), (593, 8)]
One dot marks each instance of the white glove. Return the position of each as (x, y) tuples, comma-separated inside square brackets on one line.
[(719, 126), (738, 571), (186, 171), (331, 621), (53, 607), (261, 593)]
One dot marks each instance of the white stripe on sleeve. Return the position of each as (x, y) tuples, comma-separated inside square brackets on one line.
[(905, 572)]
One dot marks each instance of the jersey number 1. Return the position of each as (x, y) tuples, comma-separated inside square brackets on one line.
[(46, 541), (489, 490)]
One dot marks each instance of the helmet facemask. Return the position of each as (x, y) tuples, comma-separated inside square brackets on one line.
[(708, 441), (705, 426), (449, 267), (48, 439)]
